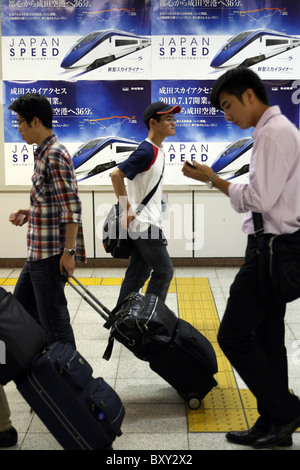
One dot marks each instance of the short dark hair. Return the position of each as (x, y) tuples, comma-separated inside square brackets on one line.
[(236, 82), (33, 105), (156, 117)]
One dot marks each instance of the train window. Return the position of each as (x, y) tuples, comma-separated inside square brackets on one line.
[(240, 36), (90, 37), (120, 149), (126, 42), (276, 42), (239, 143), (235, 145), (91, 143), (102, 167)]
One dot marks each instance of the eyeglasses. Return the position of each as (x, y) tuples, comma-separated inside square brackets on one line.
[(20, 122), (169, 119)]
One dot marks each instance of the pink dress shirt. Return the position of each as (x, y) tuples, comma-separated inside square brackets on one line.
[(274, 176)]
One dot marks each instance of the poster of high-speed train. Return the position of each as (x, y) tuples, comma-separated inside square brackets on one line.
[(101, 47), (234, 161), (250, 47), (94, 158)]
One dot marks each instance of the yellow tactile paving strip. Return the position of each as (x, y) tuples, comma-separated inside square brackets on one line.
[(226, 407)]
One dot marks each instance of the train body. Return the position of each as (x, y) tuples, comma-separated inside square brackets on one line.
[(101, 154), (101, 47), (250, 47), (234, 160)]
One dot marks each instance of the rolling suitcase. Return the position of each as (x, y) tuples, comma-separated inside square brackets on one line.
[(188, 363), (20, 335), (82, 412), (174, 349)]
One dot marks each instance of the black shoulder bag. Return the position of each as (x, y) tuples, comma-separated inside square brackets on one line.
[(279, 263), (114, 237)]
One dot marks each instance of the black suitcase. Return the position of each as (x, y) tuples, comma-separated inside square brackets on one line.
[(188, 363), (20, 335), (82, 412), (175, 350)]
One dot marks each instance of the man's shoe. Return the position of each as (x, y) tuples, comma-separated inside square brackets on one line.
[(248, 438), (8, 438), (277, 435)]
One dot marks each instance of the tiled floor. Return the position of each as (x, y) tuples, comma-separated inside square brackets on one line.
[(156, 417)]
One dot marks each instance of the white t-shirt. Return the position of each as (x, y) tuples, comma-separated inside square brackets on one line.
[(143, 169)]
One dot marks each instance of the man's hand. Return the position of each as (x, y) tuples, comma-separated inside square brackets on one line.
[(20, 217), (127, 218), (203, 173), (197, 172), (67, 264)]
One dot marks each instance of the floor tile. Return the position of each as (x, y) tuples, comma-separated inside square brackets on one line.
[(156, 416)]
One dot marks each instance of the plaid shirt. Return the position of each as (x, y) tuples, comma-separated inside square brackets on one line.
[(54, 202)]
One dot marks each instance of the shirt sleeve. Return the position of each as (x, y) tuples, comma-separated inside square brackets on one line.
[(140, 160), (64, 182), (267, 176)]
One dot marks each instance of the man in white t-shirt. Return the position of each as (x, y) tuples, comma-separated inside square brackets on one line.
[(144, 170)]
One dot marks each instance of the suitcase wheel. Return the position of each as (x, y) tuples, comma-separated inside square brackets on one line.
[(194, 403), (193, 400)]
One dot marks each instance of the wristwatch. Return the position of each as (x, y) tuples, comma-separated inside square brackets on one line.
[(210, 181), (70, 251)]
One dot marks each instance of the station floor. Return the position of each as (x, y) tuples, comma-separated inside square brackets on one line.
[(156, 417)]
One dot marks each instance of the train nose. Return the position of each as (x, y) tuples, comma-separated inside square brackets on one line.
[(72, 56), (217, 60), (67, 61)]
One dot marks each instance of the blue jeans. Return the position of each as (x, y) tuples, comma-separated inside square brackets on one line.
[(40, 289), (148, 253)]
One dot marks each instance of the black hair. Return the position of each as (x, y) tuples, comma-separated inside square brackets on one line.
[(236, 82), (33, 105), (156, 117)]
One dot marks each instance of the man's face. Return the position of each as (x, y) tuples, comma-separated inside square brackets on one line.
[(26, 130), (166, 125), (236, 111)]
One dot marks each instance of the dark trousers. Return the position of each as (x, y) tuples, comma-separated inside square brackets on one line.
[(149, 257), (40, 289), (252, 337)]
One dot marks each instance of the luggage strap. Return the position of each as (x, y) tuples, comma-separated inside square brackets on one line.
[(149, 196), (109, 348)]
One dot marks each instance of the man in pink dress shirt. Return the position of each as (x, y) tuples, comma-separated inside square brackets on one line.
[(252, 329)]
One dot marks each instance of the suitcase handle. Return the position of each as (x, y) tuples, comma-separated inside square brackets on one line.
[(87, 295)]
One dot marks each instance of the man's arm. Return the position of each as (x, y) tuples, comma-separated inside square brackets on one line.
[(117, 178), (67, 262)]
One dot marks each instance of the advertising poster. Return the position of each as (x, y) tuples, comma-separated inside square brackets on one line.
[(202, 134), (82, 114), (82, 39), (201, 39), (102, 62)]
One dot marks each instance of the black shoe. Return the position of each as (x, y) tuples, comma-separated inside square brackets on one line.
[(8, 438), (248, 438), (277, 435)]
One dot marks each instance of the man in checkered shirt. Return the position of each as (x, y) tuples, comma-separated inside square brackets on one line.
[(55, 237)]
